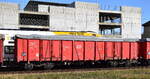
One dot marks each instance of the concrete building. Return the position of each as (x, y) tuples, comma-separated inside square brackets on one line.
[(146, 33), (77, 16), (9, 14)]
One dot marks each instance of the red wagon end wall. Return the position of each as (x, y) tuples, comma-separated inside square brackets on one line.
[(1, 51)]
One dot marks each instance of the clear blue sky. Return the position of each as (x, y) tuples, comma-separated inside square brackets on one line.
[(144, 4)]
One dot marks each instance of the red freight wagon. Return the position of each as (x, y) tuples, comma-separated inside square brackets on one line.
[(145, 49), (130, 50), (89, 50), (142, 50), (78, 50), (134, 50), (27, 50), (45, 50), (21, 52), (117, 50), (147, 52), (33, 50), (56, 47), (120, 51), (125, 50), (100, 51), (1, 50), (109, 50), (68, 49)]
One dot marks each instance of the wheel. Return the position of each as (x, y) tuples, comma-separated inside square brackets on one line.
[(28, 66), (49, 66), (113, 63)]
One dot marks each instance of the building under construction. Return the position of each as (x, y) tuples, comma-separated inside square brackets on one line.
[(146, 33), (76, 16)]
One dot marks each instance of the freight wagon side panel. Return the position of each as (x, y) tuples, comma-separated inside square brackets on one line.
[(57, 49), (109, 50), (100, 51), (118, 50), (89, 50), (134, 50), (67, 50), (45, 50), (126, 50), (147, 53), (1, 51), (33, 50), (78, 50), (142, 50), (21, 50)]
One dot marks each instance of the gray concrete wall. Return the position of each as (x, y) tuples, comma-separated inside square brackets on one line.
[(93, 21), (9, 16), (69, 19), (131, 22), (57, 18), (86, 5), (43, 8), (87, 16), (84, 17)]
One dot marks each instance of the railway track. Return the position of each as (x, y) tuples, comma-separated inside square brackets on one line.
[(3, 71)]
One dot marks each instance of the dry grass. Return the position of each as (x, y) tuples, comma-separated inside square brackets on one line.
[(103, 74)]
